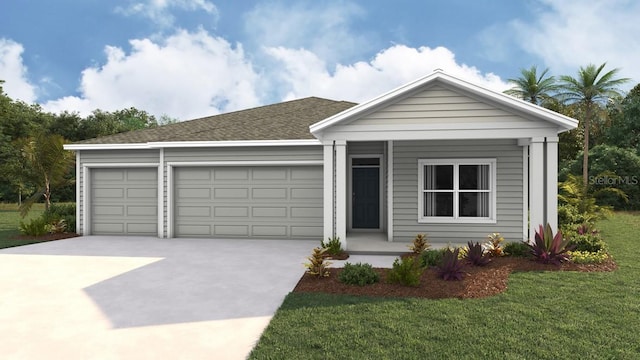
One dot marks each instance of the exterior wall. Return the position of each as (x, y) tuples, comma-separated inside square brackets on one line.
[(509, 212), (104, 158), (365, 148)]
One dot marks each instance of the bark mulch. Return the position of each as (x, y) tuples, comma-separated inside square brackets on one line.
[(46, 237), (478, 282)]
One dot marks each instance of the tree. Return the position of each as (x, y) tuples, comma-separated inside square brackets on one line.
[(591, 89), (624, 128), (533, 88), (44, 155)]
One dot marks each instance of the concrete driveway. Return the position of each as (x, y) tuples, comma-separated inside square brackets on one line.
[(104, 297)]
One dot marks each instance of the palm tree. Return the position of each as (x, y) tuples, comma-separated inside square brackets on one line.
[(590, 89), (531, 87)]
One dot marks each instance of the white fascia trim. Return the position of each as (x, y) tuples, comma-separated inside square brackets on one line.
[(194, 144), (76, 147), (564, 122), (119, 165), (246, 163)]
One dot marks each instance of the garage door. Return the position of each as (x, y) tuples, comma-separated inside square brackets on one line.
[(124, 201), (255, 202)]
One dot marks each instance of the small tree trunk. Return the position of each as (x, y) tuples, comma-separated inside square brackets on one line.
[(47, 194), (585, 148)]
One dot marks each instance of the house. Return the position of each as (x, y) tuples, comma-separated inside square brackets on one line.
[(439, 155)]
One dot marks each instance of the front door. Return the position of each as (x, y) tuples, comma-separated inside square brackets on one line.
[(365, 197)]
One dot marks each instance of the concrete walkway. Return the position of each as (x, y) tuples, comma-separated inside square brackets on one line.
[(143, 298)]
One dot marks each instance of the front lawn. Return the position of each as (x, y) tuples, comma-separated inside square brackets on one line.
[(10, 222), (542, 315)]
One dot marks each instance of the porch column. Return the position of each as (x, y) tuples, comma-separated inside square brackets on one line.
[(328, 206), (390, 190), (341, 191), (537, 182), (552, 182)]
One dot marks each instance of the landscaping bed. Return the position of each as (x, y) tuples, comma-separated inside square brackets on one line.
[(478, 282)]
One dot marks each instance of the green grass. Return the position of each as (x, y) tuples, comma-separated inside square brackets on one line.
[(542, 315), (10, 222)]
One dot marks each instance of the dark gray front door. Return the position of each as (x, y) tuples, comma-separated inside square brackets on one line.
[(366, 197)]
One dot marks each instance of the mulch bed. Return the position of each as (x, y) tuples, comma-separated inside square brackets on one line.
[(479, 281), (46, 237)]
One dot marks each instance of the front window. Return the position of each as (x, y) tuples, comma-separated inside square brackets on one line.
[(460, 190)]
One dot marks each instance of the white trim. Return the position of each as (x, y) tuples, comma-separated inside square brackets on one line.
[(375, 134), (86, 177), (341, 191), (380, 167), (170, 205), (327, 196), (536, 185), (438, 76), (551, 166), (192, 144), (161, 195), (390, 190), (491, 219), (525, 192), (79, 180), (247, 163)]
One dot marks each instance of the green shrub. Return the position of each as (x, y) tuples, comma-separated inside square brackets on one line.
[(65, 212), (358, 274), (431, 257), (333, 246), (406, 271), (589, 242), (35, 227), (586, 257), (517, 249)]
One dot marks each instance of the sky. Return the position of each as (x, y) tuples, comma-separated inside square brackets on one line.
[(192, 58)]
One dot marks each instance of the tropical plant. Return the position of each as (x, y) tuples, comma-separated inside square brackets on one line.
[(476, 254), (358, 274), (333, 246), (532, 87), (451, 266), (420, 244), (591, 89), (405, 271), (548, 248), (493, 245), (317, 265), (35, 227), (578, 205), (62, 212)]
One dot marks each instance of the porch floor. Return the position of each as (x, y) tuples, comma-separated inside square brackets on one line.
[(374, 243)]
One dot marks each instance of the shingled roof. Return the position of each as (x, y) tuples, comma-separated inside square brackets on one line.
[(288, 120)]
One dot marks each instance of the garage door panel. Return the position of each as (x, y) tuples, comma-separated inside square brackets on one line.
[(197, 193), (194, 211), (261, 212), (124, 201), (258, 202)]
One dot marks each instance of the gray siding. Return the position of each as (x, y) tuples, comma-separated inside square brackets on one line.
[(104, 157), (509, 189), (365, 148)]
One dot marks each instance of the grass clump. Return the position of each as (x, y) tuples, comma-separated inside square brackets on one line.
[(406, 271), (358, 274)]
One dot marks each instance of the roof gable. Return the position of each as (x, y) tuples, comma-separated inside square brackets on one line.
[(441, 99)]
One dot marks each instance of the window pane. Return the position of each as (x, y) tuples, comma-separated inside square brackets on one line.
[(474, 177), (438, 177), (474, 204), (438, 204)]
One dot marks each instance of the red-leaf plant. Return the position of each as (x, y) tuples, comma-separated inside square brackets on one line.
[(548, 248)]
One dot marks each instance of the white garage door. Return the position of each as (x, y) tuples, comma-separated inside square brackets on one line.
[(254, 202), (124, 201)]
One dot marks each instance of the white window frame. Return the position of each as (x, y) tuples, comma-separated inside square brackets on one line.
[(491, 219)]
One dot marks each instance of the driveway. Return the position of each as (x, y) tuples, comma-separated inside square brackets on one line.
[(102, 297)]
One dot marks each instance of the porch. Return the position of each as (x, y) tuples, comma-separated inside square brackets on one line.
[(376, 243)]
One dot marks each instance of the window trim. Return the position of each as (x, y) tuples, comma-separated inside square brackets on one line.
[(456, 218)]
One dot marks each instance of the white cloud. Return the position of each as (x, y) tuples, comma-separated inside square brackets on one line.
[(568, 34), (159, 11), (305, 74), (187, 75), (324, 28), (14, 72)]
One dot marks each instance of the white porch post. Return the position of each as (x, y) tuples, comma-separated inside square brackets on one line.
[(341, 191), (390, 190), (328, 206), (536, 185), (552, 182)]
